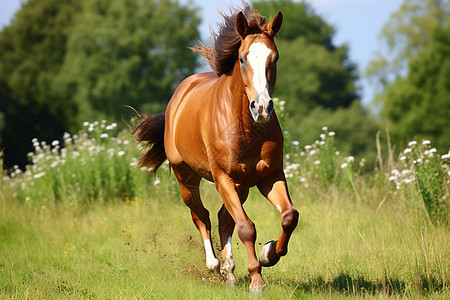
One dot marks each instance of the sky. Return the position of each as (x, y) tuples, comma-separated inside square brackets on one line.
[(357, 24)]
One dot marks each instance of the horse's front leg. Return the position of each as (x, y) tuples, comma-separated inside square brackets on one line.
[(274, 188), (245, 227)]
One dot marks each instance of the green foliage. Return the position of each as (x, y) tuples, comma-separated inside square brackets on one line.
[(408, 30), (94, 165), (32, 50), (356, 127), (66, 62), (126, 52), (420, 164), (417, 106), (412, 75)]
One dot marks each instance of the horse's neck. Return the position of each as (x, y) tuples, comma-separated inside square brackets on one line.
[(236, 99)]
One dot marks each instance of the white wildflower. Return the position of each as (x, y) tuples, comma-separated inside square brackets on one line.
[(39, 175), (308, 147), (445, 156), (295, 143), (331, 133), (34, 140), (323, 136), (121, 153), (408, 180), (412, 143), (104, 135), (403, 157), (157, 181), (392, 178), (109, 127), (55, 143), (324, 128), (350, 159), (395, 172), (86, 124), (344, 165), (317, 162), (407, 150), (433, 150), (426, 142)]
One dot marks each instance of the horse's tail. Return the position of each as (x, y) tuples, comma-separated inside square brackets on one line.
[(151, 131)]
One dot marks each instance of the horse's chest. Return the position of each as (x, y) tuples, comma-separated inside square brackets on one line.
[(251, 166)]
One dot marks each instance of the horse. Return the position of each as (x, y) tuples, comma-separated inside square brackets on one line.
[(221, 126)]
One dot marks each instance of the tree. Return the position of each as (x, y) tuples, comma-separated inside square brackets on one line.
[(317, 80), (126, 52), (32, 50), (412, 76), (408, 30), (418, 105), (65, 62)]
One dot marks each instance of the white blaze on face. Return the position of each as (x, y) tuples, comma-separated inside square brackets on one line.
[(257, 57)]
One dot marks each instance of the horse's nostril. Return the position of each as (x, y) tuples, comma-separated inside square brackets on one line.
[(270, 106), (252, 104)]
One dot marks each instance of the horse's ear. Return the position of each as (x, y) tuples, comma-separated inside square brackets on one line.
[(241, 24), (275, 24)]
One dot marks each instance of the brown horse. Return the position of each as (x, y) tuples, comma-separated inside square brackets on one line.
[(221, 126)]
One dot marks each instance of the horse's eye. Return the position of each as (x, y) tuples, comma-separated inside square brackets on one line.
[(277, 58)]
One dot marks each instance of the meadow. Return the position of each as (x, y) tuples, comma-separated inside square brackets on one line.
[(82, 221)]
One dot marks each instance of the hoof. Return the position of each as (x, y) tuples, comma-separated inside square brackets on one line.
[(230, 280), (264, 256), (256, 290), (214, 267)]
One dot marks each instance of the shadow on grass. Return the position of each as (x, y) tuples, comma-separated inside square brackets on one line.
[(346, 284)]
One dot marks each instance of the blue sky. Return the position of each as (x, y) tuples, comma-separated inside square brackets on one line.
[(357, 23)]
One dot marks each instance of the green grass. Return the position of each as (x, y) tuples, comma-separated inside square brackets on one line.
[(122, 234), (150, 249)]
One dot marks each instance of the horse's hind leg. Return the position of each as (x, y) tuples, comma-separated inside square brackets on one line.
[(189, 187), (226, 228)]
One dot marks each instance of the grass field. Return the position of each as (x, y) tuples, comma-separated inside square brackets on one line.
[(104, 230)]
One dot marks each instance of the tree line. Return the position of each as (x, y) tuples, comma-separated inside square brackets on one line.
[(66, 62)]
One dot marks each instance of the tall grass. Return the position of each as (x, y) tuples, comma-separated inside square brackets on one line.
[(83, 221)]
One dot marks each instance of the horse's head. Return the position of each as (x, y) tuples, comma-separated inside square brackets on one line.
[(258, 57)]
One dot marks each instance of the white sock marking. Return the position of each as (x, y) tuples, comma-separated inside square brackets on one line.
[(211, 261)]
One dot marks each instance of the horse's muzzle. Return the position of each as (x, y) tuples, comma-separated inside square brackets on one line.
[(261, 112)]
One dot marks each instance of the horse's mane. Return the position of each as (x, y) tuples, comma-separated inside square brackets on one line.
[(222, 52)]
